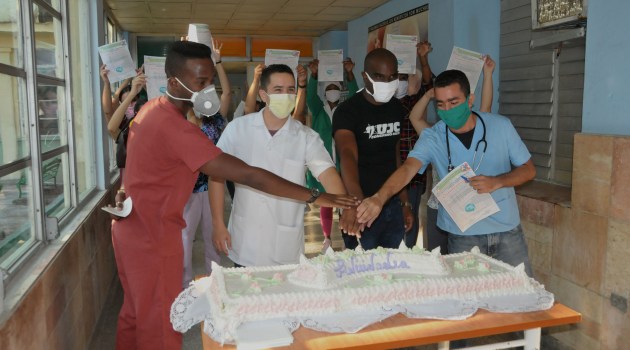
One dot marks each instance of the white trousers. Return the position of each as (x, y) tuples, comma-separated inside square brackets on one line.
[(197, 210)]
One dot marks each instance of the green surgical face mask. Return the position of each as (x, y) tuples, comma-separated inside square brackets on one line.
[(455, 117)]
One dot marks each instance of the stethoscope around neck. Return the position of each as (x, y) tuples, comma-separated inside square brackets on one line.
[(483, 151)]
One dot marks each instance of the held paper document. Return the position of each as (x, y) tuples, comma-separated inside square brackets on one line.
[(288, 57), (469, 62), (200, 33), (124, 212), (330, 65), (404, 47), (156, 76), (118, 60), (465, 206)]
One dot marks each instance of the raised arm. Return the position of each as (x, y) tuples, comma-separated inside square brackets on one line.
[(348, 66), (250, 101), (423, 51), (418, 115), (486, 87), (226, 94), (116, 97), (106, 98), (113, 126), (300, 111), (313, 101)]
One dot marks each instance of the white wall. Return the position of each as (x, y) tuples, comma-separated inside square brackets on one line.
[(474, 25)]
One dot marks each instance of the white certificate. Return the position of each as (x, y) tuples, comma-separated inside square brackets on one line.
[(465, 206), (330, 65), (118, 60), (288, 57), (156, 76), (404, 47), (469, 62), (200, 33)]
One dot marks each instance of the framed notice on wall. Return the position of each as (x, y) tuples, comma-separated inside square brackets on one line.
[(413, 22), (558, 13)]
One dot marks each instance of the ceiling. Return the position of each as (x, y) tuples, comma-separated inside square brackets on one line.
[(298, 18)]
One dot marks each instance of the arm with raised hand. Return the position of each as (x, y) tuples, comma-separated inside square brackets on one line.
[(348, 66), (313, 101), (106, 98), (226, 94), (423, 51), (300, 111), (486, 87), (418, 114), (250, 100), (113, 126)]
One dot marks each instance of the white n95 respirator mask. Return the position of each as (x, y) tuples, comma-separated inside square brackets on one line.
[(205, 102)]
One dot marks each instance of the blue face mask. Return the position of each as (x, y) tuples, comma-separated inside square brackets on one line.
[(455, 117)]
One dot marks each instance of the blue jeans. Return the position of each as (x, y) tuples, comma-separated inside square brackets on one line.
[(509, 246), (387, 230)]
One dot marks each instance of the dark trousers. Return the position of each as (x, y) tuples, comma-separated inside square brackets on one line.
[(387, 230)]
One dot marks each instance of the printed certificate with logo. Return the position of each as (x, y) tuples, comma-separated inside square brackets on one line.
[(404, 47), (469, 62), (156, 76), (118, 60), (330, 65), (465, 206), (288, 57)]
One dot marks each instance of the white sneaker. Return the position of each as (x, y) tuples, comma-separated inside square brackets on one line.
[(327, 243)]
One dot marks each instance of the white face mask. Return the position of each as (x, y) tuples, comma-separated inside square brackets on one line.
[(383, 92), (401, 91), (333, 95), (205, 102), (281, 105)]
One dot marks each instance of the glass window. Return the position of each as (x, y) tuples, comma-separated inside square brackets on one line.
[(11, 44), (51, 117), (16, 210), (48, 43), (14, 130), (55, 186), (53, 3), (82, 101)]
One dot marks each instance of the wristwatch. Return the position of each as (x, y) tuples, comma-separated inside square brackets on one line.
[(314, 195)]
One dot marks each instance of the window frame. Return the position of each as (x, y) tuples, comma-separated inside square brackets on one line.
[(45, 231)]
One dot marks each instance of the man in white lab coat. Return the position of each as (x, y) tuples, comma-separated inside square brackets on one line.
[(266, 229)]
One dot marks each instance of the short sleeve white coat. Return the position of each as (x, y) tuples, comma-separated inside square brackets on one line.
[(266, 229)]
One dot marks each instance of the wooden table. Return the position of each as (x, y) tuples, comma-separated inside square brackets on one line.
[(399, 331)]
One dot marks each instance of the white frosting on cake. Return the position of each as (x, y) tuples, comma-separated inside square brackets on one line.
[(350, 280), (335, 269)]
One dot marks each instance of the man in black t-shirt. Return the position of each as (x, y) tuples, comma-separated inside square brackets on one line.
[(366, 129)]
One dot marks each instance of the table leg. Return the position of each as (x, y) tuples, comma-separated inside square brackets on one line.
[(444, 345), (532, 339)]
